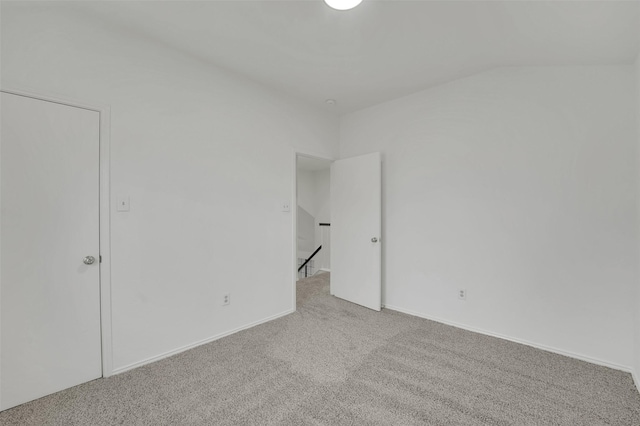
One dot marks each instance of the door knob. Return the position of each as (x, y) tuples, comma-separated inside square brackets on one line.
[(89, 260), (374, 240)]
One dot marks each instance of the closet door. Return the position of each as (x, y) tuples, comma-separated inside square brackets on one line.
[(49, 248)]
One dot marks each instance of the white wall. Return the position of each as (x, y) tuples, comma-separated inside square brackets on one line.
[(323, 215), (306, 189), (305, 195), (306, 233), (205, 157), (518, 185), (314, 196), (323, 195)]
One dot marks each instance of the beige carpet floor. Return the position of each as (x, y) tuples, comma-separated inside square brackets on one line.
[(336, 363)]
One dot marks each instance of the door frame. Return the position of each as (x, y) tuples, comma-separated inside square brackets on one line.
[(294, 214), (104, 112)]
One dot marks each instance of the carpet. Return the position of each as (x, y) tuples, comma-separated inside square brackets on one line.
[(336, 363)]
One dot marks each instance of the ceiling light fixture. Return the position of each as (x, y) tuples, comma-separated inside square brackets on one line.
[(342, 4), (331, 102)]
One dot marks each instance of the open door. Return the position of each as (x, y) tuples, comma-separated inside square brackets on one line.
[(356, 223)]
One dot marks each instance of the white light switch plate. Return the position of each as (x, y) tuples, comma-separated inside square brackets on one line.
[(122, 204)]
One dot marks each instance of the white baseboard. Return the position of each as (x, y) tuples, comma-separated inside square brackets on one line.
[(636, 379), (199, 343), (521, 341), (325, 270)]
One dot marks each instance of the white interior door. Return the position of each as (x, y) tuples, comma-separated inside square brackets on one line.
[(356, 216), (49, 298)]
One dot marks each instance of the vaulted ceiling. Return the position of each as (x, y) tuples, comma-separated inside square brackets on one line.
[(382, 49)]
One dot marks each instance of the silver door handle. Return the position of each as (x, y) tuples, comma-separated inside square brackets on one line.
[(374, 240), (89, 260)]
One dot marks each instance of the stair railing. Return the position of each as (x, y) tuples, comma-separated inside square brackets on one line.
[(304, 265)]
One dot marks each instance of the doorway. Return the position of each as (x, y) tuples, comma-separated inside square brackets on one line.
[(354, 223), (54, 274), (313, 219)]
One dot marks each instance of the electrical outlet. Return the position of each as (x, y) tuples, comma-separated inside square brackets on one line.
[(462, 294), (286, 207), (226, 299)]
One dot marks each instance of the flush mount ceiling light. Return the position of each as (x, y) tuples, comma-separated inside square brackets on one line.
[(342, 4)]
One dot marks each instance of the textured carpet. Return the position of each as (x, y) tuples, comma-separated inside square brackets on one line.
[(336, 363)]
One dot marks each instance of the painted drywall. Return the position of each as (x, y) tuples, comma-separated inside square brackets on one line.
[(306, 198), (305, 191), (306, 233), (314, 197), (323, 215), (518, 185), (205, 157)]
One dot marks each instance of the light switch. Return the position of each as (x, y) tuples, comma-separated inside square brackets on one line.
[(122, 204)]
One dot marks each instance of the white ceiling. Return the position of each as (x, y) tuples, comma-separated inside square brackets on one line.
[(382, 49)]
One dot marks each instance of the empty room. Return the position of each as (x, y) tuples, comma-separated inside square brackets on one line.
[(319, 212)]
